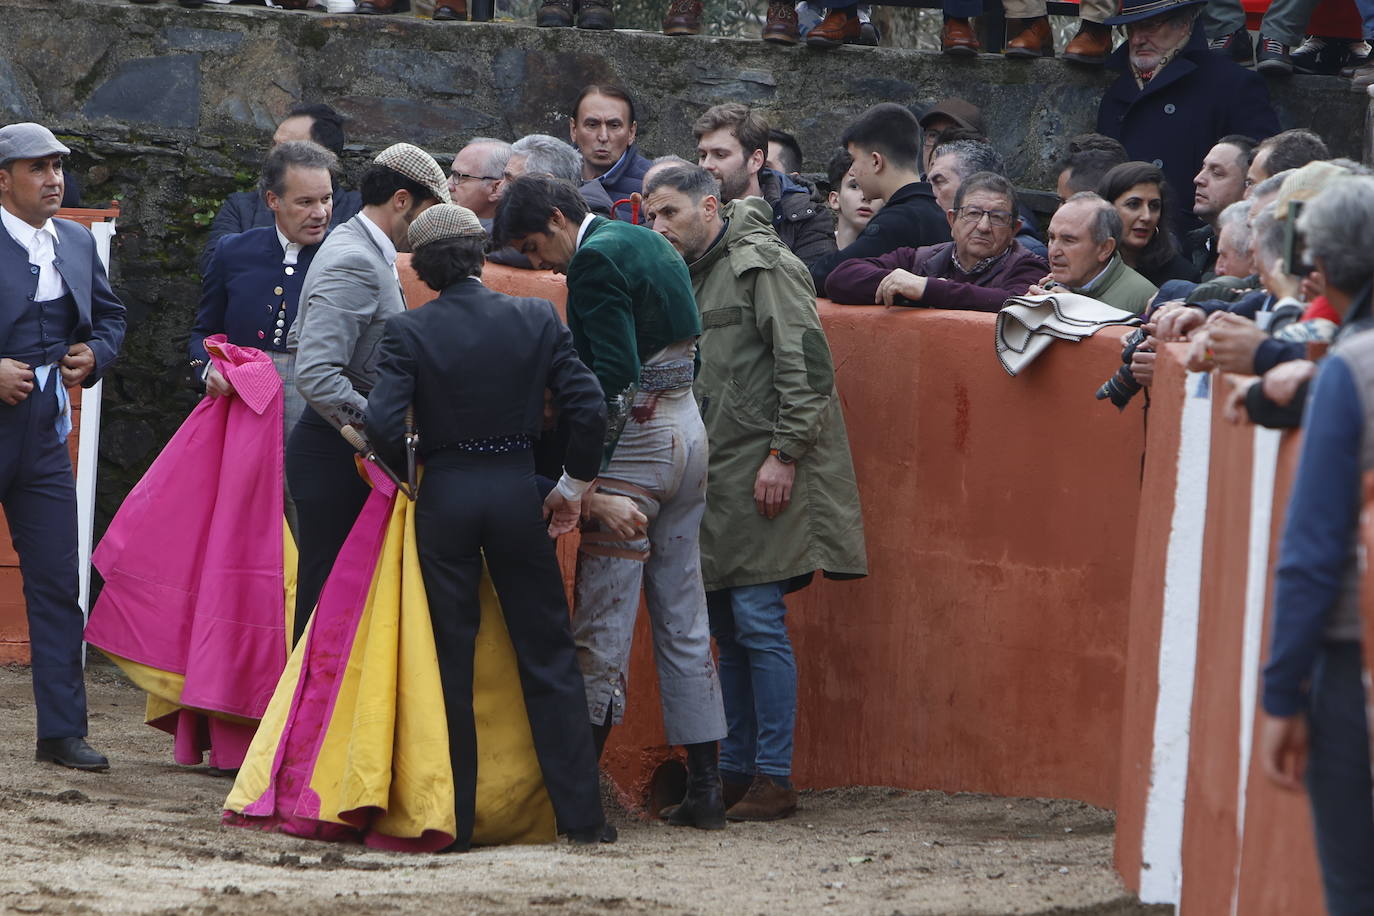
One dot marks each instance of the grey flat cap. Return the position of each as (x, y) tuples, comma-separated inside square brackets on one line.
[(28, 141)]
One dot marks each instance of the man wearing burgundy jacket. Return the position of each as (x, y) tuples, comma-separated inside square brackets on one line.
[(978, 271)]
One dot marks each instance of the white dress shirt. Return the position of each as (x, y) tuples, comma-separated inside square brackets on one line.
[(41, 244)]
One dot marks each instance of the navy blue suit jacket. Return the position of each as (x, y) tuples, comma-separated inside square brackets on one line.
[(100, 315), (244, 210), (245, 291), (1198, 98)]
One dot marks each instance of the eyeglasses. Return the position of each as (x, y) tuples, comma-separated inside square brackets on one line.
[(998, 219), (460, 177)]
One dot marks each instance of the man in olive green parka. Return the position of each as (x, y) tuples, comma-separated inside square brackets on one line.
[(781, 499)]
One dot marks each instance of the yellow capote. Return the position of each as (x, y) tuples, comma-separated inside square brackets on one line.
[(164, 687), (384, 762)]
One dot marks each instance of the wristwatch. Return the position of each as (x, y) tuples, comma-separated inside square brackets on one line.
[(782, 456)]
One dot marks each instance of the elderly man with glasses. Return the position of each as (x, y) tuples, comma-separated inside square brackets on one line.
[(983, 267), (475, 178)]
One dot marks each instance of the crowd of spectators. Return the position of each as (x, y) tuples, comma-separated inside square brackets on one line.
[(1189, 207)]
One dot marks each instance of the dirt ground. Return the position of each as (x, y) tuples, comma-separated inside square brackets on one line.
[(146, 838)]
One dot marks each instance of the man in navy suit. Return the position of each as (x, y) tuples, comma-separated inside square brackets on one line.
[(244, 210), (253, 281), (60, 326)]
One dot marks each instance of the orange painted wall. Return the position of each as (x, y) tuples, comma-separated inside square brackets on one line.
[(986, 650), (1153, 527)]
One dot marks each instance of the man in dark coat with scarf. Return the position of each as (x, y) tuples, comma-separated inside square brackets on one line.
[(1175, 98)]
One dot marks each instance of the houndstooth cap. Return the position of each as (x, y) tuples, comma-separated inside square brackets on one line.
[(444, 221), (417, 165)]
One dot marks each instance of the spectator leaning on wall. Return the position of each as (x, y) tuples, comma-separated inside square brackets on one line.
[(1314, 728)]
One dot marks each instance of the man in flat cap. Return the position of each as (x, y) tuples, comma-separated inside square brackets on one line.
[(475, 363), (349, 292), (60, 326)]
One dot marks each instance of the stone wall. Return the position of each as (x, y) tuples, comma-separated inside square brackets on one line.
[(168, 110)]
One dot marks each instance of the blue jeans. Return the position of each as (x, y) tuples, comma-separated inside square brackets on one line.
[(1338, 780), (758, 678)]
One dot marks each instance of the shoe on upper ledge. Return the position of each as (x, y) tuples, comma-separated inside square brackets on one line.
[(376, 7), (839, 27), (597, 15), (555, 14), (766, 800), (1235, 45), (957, 39), (1272, 57), (1034, 40), (683, 18), (780, 28), (1091, 45), (70, 752), (450, 11)]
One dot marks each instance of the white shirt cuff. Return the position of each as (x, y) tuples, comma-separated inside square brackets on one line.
[(572, 488)]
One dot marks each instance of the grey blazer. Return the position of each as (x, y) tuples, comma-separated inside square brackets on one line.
[(349, 293)]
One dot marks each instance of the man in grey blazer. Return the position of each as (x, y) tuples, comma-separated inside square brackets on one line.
[(349, 292), (60, 326)]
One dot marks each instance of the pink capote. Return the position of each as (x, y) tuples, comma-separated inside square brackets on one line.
[(193, 559)]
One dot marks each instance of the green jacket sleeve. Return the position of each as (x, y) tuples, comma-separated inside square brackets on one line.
[(601, 315), (803, 371)]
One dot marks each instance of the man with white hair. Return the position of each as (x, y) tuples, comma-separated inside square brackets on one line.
[(1084, 236), (541, 154), (1175, 99)]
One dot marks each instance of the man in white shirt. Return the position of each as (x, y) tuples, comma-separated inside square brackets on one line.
[(60, 326)]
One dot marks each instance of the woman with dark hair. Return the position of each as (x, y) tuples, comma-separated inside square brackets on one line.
[(1141, 195)]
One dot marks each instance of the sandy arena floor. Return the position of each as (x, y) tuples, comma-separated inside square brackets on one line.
[(146, 837)]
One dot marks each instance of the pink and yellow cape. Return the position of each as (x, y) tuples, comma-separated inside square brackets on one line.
[(354, 744)]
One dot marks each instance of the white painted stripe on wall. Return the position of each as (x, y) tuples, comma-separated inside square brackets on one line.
[(89, 452), (1265, 469), (1162, 843)]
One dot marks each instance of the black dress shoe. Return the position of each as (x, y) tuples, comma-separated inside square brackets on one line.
[(70, 752), (590, 836)]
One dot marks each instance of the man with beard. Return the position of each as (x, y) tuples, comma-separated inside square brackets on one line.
[(634, 322), (350, 291), (732, 144), (1218, 184), (1175, 98), (782, 499)]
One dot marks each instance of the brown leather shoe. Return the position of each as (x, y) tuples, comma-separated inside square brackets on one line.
[(1034, 40), (781, 27), (837, 28), (555, 14), (683, 18), (957, 39), (449, 10), (765, 801), (1091, 45)]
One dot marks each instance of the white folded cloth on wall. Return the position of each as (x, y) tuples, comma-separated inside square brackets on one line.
[(1027, 324)]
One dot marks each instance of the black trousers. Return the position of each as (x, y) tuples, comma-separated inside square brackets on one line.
[(329, 494), (475, 504), (39, 496)]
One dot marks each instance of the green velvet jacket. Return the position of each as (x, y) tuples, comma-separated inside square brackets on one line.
[(629, 296)]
